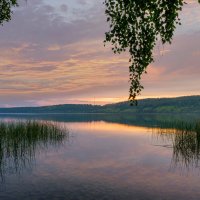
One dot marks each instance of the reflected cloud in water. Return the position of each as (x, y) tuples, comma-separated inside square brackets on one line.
[(107, 160)]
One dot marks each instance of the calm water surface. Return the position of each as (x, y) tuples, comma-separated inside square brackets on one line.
[(103, 159)]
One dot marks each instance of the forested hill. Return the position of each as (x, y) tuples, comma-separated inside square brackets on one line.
[(160, 105), (189, 104)]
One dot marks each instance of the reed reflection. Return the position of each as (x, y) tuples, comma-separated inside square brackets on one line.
[(184, 139), (20, 140)]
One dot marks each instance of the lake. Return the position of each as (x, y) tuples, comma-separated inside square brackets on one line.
[(103, 157)]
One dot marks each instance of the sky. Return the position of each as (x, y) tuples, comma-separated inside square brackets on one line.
[(52, 52)]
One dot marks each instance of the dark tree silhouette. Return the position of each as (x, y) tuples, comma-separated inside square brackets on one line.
[(135, 26)]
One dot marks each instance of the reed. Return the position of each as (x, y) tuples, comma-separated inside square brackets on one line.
[(184, 138), (19, 141)]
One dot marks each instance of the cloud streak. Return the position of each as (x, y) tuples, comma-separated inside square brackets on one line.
[(52, 52)]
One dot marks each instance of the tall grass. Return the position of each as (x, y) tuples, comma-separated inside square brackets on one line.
[(20, 140), (184, 138)]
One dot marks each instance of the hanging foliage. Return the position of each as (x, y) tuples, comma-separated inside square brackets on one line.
[(135, 26), (5, 9)]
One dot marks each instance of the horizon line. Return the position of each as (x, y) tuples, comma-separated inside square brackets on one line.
[(36, 106)]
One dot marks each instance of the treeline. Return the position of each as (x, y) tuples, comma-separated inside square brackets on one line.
[(65, 108), (188, 104)]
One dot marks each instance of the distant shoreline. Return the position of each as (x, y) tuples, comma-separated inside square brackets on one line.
[(184, 105), (105, 113)]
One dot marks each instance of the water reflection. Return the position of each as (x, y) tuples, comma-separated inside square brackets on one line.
[(184, 139), (106, 161), (19, 141), (147, 120)]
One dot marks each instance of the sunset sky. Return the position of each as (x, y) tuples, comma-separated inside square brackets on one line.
[(52, 52)]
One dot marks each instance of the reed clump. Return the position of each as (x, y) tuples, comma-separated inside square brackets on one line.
[(19, 141), (184, 138)]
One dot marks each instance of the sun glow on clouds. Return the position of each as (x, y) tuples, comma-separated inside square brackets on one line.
[(52, 53), (93, 101)]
